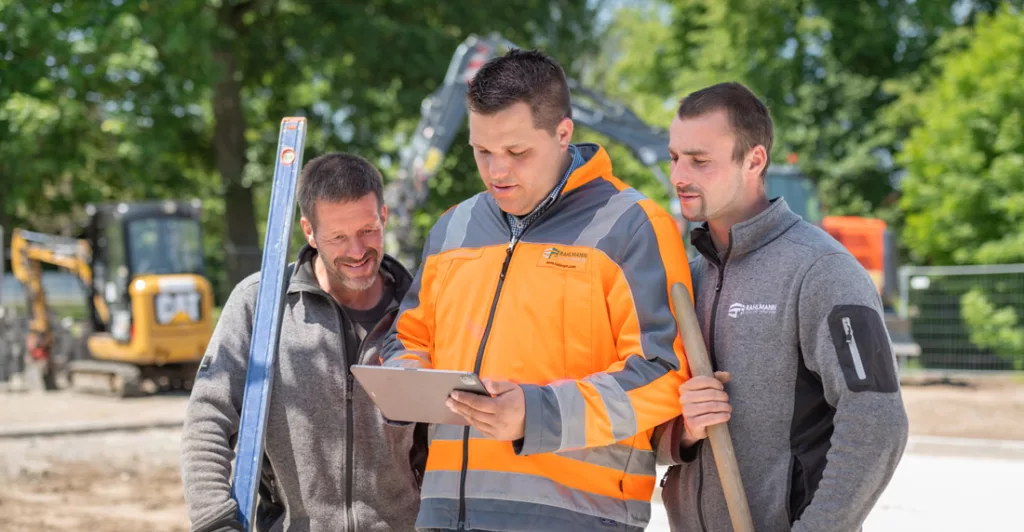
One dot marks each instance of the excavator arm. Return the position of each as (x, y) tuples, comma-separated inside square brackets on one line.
[(443, 113), (29, 250)]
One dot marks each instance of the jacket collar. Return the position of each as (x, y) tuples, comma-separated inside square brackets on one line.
[(304, 280), (596, 164), (750, 235)]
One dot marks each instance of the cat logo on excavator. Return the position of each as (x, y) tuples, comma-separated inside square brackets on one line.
[(174, 308)]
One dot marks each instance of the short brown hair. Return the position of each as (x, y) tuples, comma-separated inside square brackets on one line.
[(749, 117), (530, 77), (337, 177)]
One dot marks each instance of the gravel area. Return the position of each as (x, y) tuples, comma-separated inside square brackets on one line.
[(130, 481)]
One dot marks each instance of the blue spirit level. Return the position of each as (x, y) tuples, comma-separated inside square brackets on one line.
[(266, 329)]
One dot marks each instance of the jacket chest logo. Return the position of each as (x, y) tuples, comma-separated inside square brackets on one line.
[(563, 259), (740, 309)]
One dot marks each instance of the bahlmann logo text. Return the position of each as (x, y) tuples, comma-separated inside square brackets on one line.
[(555, 253), (738, 309)]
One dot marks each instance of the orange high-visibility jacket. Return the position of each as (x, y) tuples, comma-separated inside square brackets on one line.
[(578, 313)]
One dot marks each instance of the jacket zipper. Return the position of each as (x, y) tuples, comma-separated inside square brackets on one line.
[(350, 406), (349, 454), (476, 369), (714, 367), (700, 488)]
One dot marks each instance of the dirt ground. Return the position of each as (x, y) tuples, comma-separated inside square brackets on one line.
[(986, 407), (129, 481)]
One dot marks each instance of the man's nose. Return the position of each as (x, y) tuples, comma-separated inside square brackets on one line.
[(498, 168), (356, 249), (678, 176)]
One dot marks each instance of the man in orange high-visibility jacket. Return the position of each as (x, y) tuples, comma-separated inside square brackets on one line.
[(553, 285)]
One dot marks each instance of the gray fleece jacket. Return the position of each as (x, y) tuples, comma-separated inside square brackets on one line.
[(331, 462), (818, 422)]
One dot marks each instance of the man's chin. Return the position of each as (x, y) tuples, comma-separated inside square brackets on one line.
[(361, 284)]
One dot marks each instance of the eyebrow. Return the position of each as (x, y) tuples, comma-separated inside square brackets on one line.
[(505, 147), (691, 152)]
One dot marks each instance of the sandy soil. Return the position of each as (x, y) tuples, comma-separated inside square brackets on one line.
[(129, 481), (990, 407), (98, 483)]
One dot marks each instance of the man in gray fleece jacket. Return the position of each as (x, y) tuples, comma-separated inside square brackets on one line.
[(793, 325), (331, 462)]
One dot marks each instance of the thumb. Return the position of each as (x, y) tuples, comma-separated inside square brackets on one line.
[(723, 376), (498, 387)]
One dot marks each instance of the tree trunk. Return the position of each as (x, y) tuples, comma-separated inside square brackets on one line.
[(242, 246)]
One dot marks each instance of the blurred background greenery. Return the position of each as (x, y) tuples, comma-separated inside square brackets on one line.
[(911, 111)]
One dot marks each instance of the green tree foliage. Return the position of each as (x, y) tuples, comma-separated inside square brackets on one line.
[(963, 194), (820, 65), (126, 99), (992, 327)]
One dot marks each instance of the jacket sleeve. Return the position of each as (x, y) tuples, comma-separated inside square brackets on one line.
[(411, 338), (641, 390), (844, 342), (212, 417)]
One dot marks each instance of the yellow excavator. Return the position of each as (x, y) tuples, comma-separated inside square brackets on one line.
[(150, 307)]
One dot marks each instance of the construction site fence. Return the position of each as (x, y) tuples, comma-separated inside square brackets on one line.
[(965, 319)]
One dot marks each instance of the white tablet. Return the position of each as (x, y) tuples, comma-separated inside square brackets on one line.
[(409, 394)]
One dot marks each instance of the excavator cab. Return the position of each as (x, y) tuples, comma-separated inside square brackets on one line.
[(136, 240), (150, 307)]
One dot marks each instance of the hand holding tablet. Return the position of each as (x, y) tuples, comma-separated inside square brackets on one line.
[(417, 395)]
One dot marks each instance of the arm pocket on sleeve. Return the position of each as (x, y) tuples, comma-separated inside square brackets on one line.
[(862, 345)]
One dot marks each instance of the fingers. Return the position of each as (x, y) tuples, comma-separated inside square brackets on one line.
[(479, 419), (701, 422), (707, 395), (723, 376), (694, 410), (701, 383), (480, 403)]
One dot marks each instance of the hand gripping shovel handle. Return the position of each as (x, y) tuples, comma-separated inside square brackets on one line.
[(721, 442)]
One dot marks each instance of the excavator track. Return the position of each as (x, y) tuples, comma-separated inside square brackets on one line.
[(121, 379), (105, 378)]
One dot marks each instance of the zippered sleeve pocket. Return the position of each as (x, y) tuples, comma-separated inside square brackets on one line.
[(862, 345)]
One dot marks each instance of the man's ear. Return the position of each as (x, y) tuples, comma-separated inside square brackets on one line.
[(755, 162), (383, 215), (564, 132), (307, 231)]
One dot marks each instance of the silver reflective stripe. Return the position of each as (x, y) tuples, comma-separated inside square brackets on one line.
[(616, 402), (618, 457), (606, 217), (453, 433), (459, 224), (516, 487), (573, 410)]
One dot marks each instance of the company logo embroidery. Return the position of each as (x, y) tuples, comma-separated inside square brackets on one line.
[(738, 309), (566, 260)]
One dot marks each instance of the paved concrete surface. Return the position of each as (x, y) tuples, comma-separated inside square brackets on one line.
[(944, 484)]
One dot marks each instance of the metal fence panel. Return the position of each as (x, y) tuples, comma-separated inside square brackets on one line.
[(965, 318)]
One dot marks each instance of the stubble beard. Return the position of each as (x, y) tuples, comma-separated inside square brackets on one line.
[(356, 285)]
